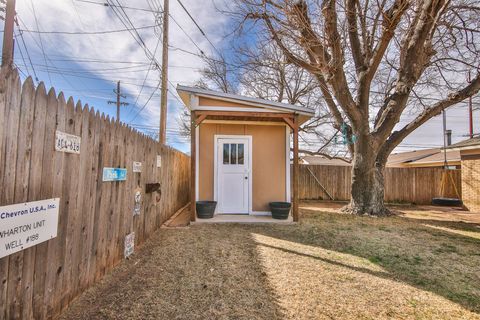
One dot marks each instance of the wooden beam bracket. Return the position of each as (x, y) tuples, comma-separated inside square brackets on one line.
[(200, 119), (289, 122)]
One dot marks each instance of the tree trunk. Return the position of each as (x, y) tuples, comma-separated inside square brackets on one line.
[(367, 189)]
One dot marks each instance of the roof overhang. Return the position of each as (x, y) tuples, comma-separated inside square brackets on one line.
[(190, 95), (473, 147)]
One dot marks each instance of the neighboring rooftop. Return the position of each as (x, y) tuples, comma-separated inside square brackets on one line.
[(398, 159), (472, 143), (324, 161), (418, 158), (435, 160)]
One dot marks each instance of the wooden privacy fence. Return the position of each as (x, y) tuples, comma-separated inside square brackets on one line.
[(412, 185), (94, 216)]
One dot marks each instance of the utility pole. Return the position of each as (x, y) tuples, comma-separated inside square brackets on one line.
[(162, 135), (470, 109), (7, 53), (118, 102)]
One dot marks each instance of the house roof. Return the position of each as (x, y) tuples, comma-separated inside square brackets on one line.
[(472, 143), (453, 158), (417, 158), (321, 160), (398, 159), (185, 91)]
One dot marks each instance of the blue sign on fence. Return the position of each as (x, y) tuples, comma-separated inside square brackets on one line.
[(114, 174)]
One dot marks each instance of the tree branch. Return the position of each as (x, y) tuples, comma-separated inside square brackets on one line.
[(357, 53), (430, 112)]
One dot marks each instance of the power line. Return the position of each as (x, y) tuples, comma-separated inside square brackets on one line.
[(198, 27), (26, 50), (21, 54), (146, 76), (41, 42), (53, 66), (104, 4), (143, 107), (125, 21), (88, 32)]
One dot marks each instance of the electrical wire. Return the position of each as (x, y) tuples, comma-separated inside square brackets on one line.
[(198, 27), (88, 32), (104, 4), (41, 42), (21, 54), (148, 100), (26, 50)]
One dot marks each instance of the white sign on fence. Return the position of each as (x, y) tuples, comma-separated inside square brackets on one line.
[(159, 161), (65, 142), (129, 244), (25, 225), (137, 166)]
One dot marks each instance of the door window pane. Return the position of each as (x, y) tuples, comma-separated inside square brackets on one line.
[(226, 153), (233, 149), (240, 153)]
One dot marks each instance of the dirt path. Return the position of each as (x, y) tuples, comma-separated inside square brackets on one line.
[(330, 266)]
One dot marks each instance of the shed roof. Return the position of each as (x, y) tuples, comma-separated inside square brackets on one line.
[(185, 91)]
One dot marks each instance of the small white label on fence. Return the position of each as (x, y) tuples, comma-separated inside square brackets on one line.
[(159, 161), (137, 166), (65, 142), (25, 225), (129, 244)]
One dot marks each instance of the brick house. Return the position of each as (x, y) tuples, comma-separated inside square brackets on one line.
[(470, 160)]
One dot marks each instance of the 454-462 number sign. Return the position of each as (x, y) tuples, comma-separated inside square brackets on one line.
[(65, 142)]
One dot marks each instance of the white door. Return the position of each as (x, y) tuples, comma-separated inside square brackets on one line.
[(233, 175)]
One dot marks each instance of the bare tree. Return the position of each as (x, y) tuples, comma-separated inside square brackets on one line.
[(374, 61), (262, 71)]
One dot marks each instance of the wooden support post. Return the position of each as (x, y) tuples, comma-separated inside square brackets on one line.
[(162, 134), (7, 53), (295, 171), (193, 213)]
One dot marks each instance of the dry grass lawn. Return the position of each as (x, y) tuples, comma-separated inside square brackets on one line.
[(421, 264)]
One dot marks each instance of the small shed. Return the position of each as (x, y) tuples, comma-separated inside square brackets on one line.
[(470, 163), (240, 151)]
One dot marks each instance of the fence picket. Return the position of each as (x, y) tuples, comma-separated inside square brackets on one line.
[(410, 185)]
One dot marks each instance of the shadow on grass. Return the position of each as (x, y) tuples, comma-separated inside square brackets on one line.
[(441, 257), (206, 272)]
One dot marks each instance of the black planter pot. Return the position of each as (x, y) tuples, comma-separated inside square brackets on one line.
[(205, 209), (280, 210)]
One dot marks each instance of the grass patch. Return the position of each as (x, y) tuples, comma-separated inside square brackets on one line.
[(329, 266)]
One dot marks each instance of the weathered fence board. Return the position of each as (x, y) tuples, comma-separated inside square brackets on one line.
[(94, 216), (412, 185)]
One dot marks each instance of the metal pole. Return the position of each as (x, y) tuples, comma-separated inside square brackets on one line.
[(444, 139), (7, 53), (162, 137), (470, 109), (118, 101)]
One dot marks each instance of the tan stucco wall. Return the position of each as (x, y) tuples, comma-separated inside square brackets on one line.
[(268, 161)]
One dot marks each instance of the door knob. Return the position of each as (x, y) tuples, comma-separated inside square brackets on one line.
[(246, 178)]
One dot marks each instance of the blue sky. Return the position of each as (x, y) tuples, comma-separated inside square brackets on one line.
[(87, 66)]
